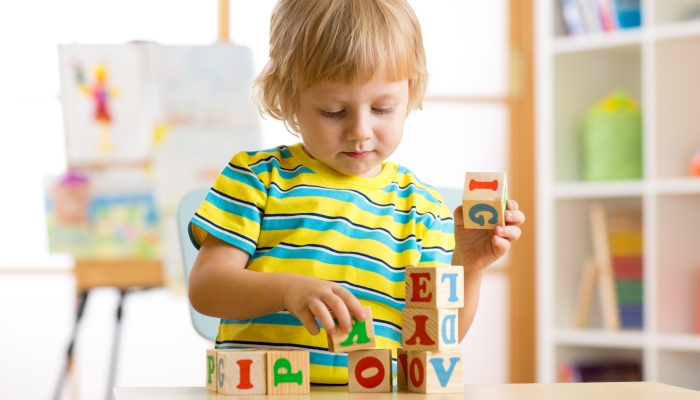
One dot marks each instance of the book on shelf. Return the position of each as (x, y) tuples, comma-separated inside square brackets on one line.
[(599, 372), (591, 16)]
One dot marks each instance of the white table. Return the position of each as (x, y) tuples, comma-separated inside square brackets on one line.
[(535, 391)]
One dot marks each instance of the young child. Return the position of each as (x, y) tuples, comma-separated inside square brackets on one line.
[(289, 233)]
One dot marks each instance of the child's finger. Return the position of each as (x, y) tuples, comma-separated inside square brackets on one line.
[(499, 245), (340, 311), (307, 319), (458, 216), (320, 311), (351, 302), (512, 205), (510, 232), (515, 217)]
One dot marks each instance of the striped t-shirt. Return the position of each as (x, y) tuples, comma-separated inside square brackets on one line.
[(293, 214)]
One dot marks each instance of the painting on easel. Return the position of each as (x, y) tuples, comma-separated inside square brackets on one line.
[(105, 104)]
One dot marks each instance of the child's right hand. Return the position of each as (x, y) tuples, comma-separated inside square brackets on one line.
[(306, 298)]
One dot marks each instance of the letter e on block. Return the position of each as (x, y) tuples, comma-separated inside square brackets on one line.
[(484, 200), (435, 372), (360, 337), (369, 371), (435, 287), (288, 372), (433, 330), (242, 372)]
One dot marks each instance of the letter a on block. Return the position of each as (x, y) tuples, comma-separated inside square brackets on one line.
[(369, 371), (288, 372), (484, 200), (242, 372), (435, 287), (430, 330), (360, 337)]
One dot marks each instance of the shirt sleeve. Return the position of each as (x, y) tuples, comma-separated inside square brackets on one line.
[(234, 207), (438, 240)]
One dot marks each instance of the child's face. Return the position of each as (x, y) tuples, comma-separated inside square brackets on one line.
[(353, 128)]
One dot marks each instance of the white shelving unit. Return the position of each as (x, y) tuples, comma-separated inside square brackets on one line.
[(659, 64)]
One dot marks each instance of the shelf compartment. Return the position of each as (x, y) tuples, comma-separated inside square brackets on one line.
[(600, 338), (587, 355), (572, 247), (679, 369), (678, 96), (678, 263), (581, 80), (603, 189), (669, 12)]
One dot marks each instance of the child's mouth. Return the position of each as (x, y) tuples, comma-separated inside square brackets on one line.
[(360, 154)]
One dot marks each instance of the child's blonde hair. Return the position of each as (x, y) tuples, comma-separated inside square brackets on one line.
[(339, 41)]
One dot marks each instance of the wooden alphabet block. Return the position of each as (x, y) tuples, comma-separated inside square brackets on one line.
[(212, 375), (435, 287), (241, 372), (432, 330), (288, 372), (401, 368), (369, 371), (360, 337), (431, 372), (484, 200), (212, 367)]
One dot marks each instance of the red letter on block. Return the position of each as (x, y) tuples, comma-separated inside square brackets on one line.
[(417, 381), (365, 364), (245, 374), (420, 332), (420, 286)]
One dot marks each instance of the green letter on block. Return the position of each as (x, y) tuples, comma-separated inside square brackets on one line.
[(210, 368), (287, 377), (359, 330)]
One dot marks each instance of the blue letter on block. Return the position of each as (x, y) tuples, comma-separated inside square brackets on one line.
[(444, 376), (453, 339), (478, 208), (221, 372), (453, 286)]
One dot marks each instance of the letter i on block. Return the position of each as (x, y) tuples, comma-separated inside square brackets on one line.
[(402, 368), (369, 371), (288, 372), (484, 200), (360, 337), (430, 372), (435, 287), (241, 372), (434, 330)]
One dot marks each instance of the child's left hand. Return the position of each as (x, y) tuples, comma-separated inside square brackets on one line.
[(476, 249)]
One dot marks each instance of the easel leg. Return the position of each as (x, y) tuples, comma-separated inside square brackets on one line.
[(115, 346), (82, 299)]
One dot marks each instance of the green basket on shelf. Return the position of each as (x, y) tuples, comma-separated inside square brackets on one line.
[(612, 139)]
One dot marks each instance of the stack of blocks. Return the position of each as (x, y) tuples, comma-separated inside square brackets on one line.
[(430, 361)]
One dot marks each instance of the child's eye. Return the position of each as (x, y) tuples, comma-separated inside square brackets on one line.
[(383, 111), (334, 114)]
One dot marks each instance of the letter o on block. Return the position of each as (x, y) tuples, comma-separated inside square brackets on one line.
[(369, 371)]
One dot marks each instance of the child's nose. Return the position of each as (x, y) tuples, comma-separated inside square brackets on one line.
[(360, 128)]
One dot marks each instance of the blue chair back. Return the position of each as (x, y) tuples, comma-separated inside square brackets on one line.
[(204, 325)]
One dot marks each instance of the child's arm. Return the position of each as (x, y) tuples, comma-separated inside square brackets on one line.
[(476, 249), (220, 286)]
